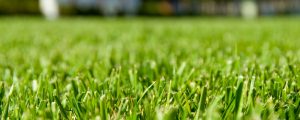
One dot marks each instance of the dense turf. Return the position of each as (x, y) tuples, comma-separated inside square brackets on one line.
[(185, 68)]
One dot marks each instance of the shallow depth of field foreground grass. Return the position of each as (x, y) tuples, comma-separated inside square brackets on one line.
[(185, 68)]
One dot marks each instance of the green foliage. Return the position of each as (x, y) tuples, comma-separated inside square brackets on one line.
[(164, 69), (19, 6)]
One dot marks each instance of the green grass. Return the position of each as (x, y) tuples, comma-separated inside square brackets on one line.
[(143, 68)]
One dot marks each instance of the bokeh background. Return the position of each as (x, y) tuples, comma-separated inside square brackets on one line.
[(152, 7)]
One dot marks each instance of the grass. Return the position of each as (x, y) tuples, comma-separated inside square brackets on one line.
[(141, 68)]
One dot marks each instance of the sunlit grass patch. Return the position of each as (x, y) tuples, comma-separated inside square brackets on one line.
[(141, 68)]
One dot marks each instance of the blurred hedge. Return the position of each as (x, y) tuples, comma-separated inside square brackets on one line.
[(19, 7), (162, 7), (148, 7)]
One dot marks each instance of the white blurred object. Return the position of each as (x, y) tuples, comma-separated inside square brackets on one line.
[(249, 9), (110, 7), (49, 9)]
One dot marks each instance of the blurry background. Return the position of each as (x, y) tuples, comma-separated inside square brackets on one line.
[(152, 7)]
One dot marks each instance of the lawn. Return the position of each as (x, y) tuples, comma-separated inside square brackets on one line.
[(149, 68)]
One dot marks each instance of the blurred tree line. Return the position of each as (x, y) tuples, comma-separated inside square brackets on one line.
[(19, 7), (156, 7)]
